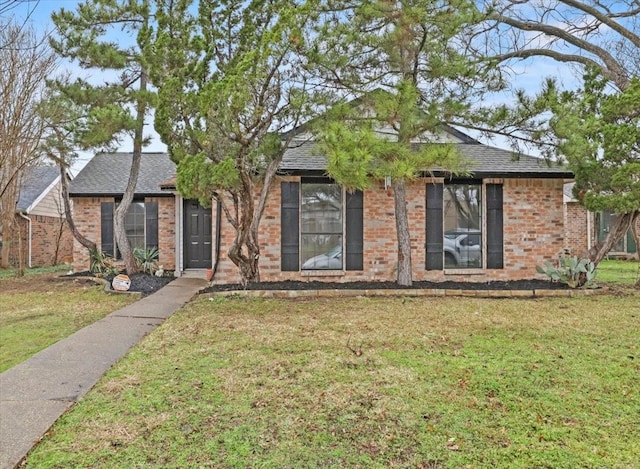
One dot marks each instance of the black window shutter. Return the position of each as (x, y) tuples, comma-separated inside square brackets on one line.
[(106, 227), (354, 231), (495, 256), (290, 226), (151, 224), (434, 227)]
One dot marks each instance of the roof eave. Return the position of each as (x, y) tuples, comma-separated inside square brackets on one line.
[(475, 174), (523, 175), (119, 194)]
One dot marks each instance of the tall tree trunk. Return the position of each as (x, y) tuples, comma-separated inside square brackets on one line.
[(7, 239), (245, 254), (121, 211), (6, 245), (618, 230), (245, 251), (20, 271), (8, 214), (120, 214), (402, 232), (87, 243), (635, 231), (247, 234), (59, 233)]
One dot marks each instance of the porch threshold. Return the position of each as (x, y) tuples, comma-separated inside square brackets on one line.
[(194, 273)]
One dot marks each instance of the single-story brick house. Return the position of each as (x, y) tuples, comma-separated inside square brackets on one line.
[(585, 229), (496, 224), (40, 220)]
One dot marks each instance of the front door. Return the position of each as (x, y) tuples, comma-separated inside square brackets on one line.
[(197, 235)]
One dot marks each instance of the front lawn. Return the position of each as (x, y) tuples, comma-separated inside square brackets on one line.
[(618, 271), (36, 271), (369, 383), (40, 308)]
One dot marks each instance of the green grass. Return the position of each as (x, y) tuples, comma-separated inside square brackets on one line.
[(11, 273), (369, 383), (39, 309), (618, 272)]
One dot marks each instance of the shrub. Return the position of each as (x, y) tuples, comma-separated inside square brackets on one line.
[(102, 264), (147, 259), (571, 271)]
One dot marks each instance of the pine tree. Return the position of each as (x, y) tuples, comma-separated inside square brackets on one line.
[(116, 107), (229, 82), (404, 58)]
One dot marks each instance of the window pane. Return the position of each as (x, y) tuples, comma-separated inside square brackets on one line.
[(321, 208), (321, 251), (463, 226), (321, 226), (134, 225)]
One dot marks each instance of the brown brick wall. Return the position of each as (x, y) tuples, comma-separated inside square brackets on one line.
[(166, 231), (533, 225), (51, 241), (533, 232), (86, 215), (18, 238), (576, 229)]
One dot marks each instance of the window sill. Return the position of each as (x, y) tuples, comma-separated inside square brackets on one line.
[(478, 271), (322, 273)]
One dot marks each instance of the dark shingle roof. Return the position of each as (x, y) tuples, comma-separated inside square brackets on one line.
[(108, 173), (33, 183), (491, 161), (485, 160)]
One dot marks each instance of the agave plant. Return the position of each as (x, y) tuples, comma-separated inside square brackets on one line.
[(572, 271), (147, 259), (102, 264)]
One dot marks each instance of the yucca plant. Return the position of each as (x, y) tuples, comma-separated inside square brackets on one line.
[(102, 264), (147, 259)]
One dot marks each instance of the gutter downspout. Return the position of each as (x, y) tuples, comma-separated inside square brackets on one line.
[(218, 229), (22, 215)]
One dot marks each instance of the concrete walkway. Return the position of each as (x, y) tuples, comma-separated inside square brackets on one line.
[(36, 392)]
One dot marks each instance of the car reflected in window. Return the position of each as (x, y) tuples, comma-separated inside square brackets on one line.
[(330, 260), (462, 248)]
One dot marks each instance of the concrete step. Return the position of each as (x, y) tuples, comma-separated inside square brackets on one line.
[(195, 273)]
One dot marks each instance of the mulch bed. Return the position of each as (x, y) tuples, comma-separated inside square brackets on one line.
[(140, 282), (533, 284), (147, 284)]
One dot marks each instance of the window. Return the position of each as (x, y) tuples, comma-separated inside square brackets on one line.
[(321, 226), (321, 216), (134, 224), (141, 226), (456, 219), (462, 210)]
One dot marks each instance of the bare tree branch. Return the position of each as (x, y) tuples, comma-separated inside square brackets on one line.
[(610, 66), (25, 68)]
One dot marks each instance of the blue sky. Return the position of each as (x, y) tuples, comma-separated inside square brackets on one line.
[(37, 13)]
